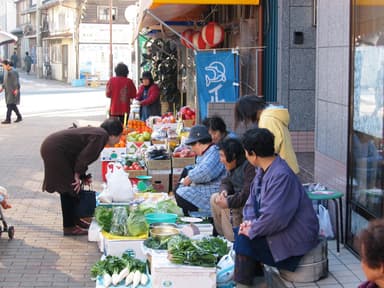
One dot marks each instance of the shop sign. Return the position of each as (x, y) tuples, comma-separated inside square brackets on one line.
[(217, 74)]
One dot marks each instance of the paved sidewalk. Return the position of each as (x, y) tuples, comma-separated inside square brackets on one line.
[(39, 256)]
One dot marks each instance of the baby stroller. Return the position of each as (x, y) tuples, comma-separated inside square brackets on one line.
[(3, 224)]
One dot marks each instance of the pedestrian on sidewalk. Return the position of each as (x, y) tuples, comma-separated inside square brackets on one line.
[(27, 62), (372, 254), (120, 89), (11, 87), (14, 59), (66, 155)]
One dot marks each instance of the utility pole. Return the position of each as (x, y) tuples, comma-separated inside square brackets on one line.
[(39, 48), (110, 41)]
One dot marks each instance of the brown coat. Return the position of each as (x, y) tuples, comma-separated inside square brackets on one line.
[(69, 151)]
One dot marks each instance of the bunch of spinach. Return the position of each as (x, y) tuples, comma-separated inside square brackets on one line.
[(205, 252)]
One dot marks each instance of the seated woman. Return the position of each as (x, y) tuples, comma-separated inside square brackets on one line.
[(204, 179), (372, 254), (227, 205), (217, 129), (280, 224)]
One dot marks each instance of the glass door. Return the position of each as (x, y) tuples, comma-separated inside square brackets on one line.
[(366, 182)]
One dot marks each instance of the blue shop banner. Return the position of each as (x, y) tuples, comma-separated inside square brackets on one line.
[(217, 74)]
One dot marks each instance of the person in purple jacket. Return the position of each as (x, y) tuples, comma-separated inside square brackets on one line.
[(372, 254), (279, 222)]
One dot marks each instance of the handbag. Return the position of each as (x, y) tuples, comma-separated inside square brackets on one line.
[(86, 203)]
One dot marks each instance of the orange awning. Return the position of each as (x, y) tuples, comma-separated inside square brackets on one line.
[(179, 10)]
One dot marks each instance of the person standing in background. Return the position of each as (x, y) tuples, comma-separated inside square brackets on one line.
[(120, 89), (251, 109), (14, 59), (27, 62), (11, 87), (149, 97)]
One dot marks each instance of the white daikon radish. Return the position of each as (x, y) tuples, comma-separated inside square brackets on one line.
[(107, 280), (136, 279), (144, 279), (129, 278)]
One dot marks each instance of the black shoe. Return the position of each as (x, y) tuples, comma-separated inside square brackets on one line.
[(6, 122), (18, 120)]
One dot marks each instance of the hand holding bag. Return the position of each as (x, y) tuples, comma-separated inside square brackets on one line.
[(86, 203)]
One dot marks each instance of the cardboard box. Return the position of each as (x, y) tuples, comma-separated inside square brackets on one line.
[(135, 173), (117, 247), (159, 164), (132, 147), (178, 162), (160, 180), (113, 153), (167, 274), (176, 173)]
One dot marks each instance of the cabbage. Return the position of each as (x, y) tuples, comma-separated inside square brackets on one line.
[(137, 224), (169, 206)]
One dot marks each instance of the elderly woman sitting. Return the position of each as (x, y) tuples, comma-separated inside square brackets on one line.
[(204, 179), (228, 203)]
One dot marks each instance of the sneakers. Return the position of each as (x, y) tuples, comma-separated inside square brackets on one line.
[(75, 231)]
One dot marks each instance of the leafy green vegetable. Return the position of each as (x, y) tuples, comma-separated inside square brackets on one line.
[(136, 223), (169, 206), (205, 252), (103, 216), (163, 244), (119, 221), (108, 265)]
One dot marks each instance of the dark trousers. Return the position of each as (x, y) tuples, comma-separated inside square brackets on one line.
[(10, 108), (68, 209), (185, 205)]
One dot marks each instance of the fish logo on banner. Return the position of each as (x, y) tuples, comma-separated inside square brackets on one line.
[(217, 78)]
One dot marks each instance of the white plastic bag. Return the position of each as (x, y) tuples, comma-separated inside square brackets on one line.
[(325, 222), (119, 186), (225, 270)]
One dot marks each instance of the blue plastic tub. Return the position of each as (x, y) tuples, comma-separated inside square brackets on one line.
[(161, 218)]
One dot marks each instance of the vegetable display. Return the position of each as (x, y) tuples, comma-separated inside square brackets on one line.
[(205, 252), (115, 270), (118, 220), (156, 244)]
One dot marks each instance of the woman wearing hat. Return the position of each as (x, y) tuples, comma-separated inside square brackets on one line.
[(149, 97), (204, 179)]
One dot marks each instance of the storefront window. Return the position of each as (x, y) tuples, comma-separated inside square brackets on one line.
[(367, 164)]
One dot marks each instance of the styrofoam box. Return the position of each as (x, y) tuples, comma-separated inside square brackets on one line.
[(118, 247), (167, 274), (94, 231), (113, 153)]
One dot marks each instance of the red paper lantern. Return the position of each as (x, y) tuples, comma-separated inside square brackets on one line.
[(198, 41), (187, 34), (213, 34)]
